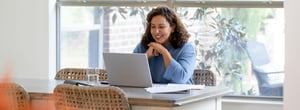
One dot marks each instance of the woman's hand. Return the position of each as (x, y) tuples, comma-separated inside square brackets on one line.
[(158, 48), (155, 49), (151, 52)]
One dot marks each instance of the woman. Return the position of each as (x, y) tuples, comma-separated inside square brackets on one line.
[(165, 41)]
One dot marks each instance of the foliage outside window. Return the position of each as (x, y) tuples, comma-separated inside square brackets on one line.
[(219, 43)]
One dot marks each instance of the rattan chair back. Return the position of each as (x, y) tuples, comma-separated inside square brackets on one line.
[(72, 97), (79, 74), (15, 96), (204, 77)]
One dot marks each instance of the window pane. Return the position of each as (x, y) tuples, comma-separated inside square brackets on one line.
[(76, 22), (118, 29), (220, 36)]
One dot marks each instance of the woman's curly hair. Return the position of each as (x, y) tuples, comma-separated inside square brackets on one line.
[(177, 38)]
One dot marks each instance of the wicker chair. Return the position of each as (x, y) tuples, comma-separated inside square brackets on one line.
[(79, 74), (205, 77), (72, 97), (14, 96)]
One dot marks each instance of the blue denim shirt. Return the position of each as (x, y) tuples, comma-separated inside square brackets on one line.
[(180, 69)]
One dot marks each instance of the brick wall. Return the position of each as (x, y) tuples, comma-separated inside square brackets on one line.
[(123, 35)]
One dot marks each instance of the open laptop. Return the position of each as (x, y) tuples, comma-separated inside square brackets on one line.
[(127, 69)]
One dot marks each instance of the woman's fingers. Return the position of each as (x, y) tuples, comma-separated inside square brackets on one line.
[(155, 52), (156, 46), (150, 52)]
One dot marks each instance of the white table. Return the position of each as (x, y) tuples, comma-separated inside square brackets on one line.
[(207, 99)]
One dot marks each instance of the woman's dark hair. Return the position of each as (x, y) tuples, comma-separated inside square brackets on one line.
[(177, 38)]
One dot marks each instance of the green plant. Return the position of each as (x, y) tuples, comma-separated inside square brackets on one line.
[(228, 52), (125, 12), (253, 18), (219, 44)]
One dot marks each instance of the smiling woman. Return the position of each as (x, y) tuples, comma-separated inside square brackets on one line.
[(171, 57)]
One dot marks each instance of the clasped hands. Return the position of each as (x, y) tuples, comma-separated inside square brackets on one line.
[(155, 49)]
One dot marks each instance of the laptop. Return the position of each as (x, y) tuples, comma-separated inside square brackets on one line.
[(127, 69)]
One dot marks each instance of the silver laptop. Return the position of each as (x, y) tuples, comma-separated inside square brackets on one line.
[(127, 69)]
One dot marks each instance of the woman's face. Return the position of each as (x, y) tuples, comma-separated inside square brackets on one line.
[(161, 29)]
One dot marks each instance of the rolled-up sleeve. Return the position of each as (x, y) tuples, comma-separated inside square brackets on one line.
[(181, 68)]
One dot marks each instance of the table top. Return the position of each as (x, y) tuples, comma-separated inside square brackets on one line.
[(41, 89)]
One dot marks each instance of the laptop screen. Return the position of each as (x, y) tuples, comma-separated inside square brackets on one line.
[(128, 69)]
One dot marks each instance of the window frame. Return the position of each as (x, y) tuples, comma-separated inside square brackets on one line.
[(170, 3)]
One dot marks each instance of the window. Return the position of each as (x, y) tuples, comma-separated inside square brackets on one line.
[(220, 31)]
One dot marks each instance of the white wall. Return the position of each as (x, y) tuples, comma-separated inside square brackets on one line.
[(292, 77), (24, 38)]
